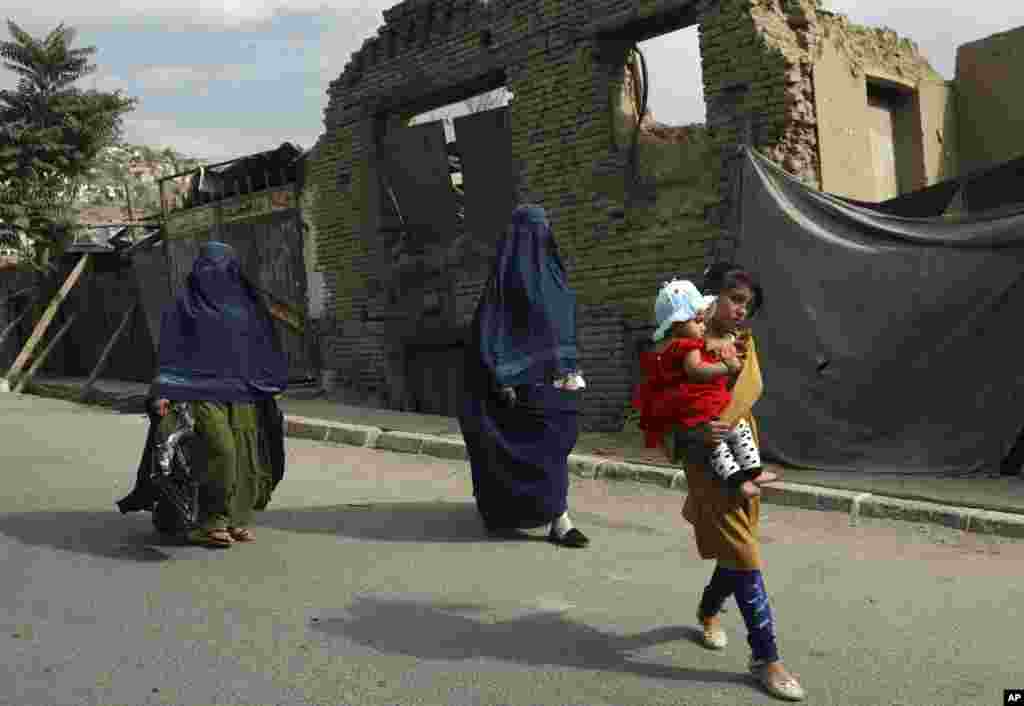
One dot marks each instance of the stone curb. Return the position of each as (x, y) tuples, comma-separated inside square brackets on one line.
[(326, 430), (854, 503)]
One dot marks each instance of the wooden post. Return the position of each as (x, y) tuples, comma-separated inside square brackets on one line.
[(46, 318), (105, 355), (38, 363), (128, 198)]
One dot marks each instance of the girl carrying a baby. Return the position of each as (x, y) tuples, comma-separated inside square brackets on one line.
[(686, 384)]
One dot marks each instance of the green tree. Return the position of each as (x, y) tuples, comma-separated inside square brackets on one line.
[(53, 132)]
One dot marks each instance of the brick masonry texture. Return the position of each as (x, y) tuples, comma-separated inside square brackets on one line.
[(564, 61)]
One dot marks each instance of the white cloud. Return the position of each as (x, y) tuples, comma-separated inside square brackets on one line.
[(225, 13), (104, 81), (211, 144), (189, 79)]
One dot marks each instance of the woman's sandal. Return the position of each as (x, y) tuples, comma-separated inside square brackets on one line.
[(241, 534), (786, 687), (713, 637), (218, 538)]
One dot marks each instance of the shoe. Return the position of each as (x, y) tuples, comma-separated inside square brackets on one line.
[(713, 637), (241, 534), (214, 538), (787, 688), (573, 538)]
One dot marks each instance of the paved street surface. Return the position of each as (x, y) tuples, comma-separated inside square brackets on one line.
[(371, 582)]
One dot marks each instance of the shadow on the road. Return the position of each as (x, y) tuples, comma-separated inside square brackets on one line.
[(429, 521), (107, 534), (453, 632), (432, 521)]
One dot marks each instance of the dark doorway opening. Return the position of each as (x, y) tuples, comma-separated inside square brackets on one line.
[(435, 377)]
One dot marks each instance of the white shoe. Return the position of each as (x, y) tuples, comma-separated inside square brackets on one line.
[(713, 636), (783, 688)]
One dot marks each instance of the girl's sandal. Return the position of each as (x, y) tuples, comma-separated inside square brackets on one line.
[(782, 687), (218, 538), (713, 636), (241, 534)]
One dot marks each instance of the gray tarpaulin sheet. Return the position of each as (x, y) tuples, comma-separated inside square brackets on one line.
[(888, 344), (925, 203), (996, 187), (489, 176)]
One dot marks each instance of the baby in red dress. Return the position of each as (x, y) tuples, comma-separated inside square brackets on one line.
[(685, 384)]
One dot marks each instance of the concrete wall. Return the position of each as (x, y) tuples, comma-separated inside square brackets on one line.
[(564, 62), (990, 101)]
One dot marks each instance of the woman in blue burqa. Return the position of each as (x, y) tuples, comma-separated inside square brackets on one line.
[(518, 416), (220, 365)]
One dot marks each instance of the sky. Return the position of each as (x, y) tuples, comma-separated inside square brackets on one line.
[(216, 80)]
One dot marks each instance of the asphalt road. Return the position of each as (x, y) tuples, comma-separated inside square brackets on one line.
[(371, 582)]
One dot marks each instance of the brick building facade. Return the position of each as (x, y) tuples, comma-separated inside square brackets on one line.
[(395, 345)]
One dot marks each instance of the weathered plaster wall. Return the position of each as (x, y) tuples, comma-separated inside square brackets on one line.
[(849, 57), (937, 114), (564, 62), (990, 101), (846, 165)]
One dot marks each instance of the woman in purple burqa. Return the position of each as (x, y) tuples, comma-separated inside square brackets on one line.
[(518, 426)]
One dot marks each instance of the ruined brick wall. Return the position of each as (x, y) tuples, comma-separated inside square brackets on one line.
[(564, 62)]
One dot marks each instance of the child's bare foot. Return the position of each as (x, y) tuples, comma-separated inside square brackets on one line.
[(766, 477), (749, 489)]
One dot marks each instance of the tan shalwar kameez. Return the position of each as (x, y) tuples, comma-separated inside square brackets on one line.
[(724, 522)]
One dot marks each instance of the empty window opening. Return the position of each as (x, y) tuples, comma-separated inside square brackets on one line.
[(497, 98), (672, 148), (675, 81), (424, 166)]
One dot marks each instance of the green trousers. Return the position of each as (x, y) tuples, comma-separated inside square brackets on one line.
[(234, 479)]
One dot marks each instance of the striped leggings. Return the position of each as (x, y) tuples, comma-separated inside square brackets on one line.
[(752, 599)]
